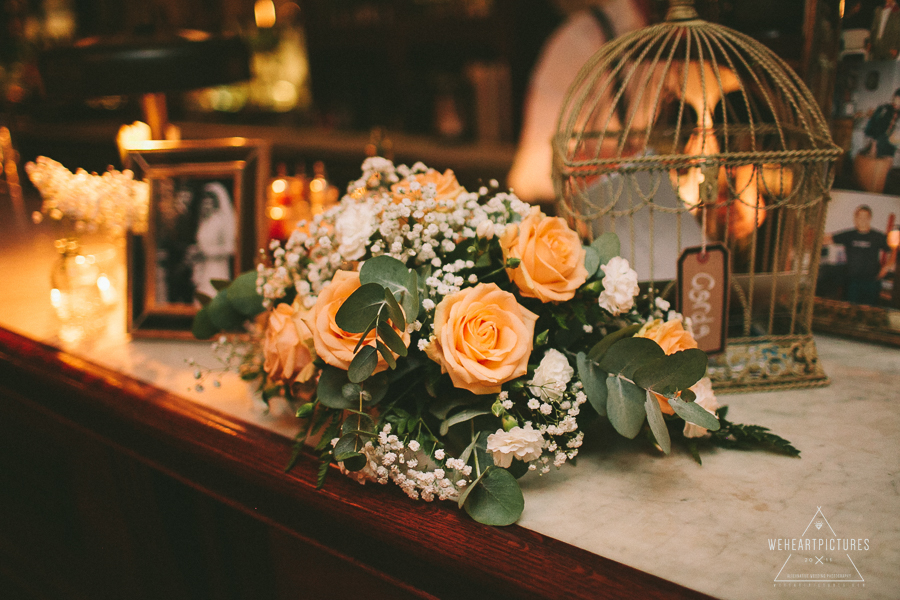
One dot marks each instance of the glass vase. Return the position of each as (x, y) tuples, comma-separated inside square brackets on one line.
[(76, 291)]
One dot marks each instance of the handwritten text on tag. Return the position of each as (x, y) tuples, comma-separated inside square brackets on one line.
[(703, 294)]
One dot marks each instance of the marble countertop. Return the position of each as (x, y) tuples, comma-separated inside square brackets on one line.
[(710, 527)]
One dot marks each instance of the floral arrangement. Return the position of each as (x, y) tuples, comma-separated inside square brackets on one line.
[(452, 341), (113, 201)]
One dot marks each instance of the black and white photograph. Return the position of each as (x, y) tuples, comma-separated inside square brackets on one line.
[(196, 232)]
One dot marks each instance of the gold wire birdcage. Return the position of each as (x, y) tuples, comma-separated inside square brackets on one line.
[(687, 133)]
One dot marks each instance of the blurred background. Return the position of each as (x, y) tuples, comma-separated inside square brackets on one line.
[(442, 81)]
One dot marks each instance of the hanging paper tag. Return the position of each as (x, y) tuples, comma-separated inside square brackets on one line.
[(702, 294)]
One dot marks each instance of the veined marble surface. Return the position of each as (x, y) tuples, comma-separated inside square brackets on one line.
[(706, 527)]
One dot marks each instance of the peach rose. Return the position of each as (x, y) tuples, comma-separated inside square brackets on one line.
[(288, 352), (671, 337), (483, 338), (447, 186), (552, 256), (333, 344)]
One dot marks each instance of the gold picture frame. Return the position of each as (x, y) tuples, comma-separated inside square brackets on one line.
[(206, 221)]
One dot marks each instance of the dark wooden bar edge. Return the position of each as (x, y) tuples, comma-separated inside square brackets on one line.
[(426, 549)]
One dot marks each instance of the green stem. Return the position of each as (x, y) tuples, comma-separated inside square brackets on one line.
[(475, 451)]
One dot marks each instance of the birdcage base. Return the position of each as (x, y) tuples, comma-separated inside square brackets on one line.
[(765, 364)]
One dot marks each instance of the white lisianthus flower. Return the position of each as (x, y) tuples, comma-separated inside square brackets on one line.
[(705, 398), (551, 376), (620, 286), (352, 229), (525, 444)]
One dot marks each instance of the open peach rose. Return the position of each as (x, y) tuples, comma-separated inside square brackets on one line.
[(551, 254), (483, 338), (333, 344), (287, 348), (447, 186), (671, 337)]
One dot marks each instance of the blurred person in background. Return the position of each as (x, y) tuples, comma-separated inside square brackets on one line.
[(590, 24)]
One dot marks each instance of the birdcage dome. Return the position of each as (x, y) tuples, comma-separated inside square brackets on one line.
[(687, 133)]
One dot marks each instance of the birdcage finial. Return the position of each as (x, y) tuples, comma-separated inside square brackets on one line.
[(681, 10)]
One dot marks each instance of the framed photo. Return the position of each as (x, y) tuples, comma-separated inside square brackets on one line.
[(858, 288), (866, 108), (206, 223)]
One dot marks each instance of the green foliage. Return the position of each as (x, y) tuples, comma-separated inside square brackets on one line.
[(591, 260), (461, 417), (694, 413), (750, 437), (373, 306), (495, 499), (363, 364), (600, 348), (673, 373), (222, 314), (361, 309), (628, 355), (330, 390), (393, 275), (625, 406), (203, 327), (594, 380), (243, 297), (391, 339), (607, 246), (445, 402), (235, 302), (484, 459), (657, 423)]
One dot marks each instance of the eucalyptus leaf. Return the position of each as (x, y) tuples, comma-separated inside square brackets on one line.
[(444, 403), (347, 446), (672, 373), (363, 364), (485, 458), (355, 462), (467, 453), (361, 308), (203, 327), (463, 416), (596, 353), (410, 300), (391, 339), (626, 356), (694, 413), (625, 406), (202, 298), (495, 499), (365, 334), (688, 395), (376, 388), (219, 284), (657, 423), (591, 260), (607, 247), (386, 353), (330, 388), (358, 422), (392, 274), (461, 499), (394, 310), (594, 380), (222, 314), (243, 296)]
